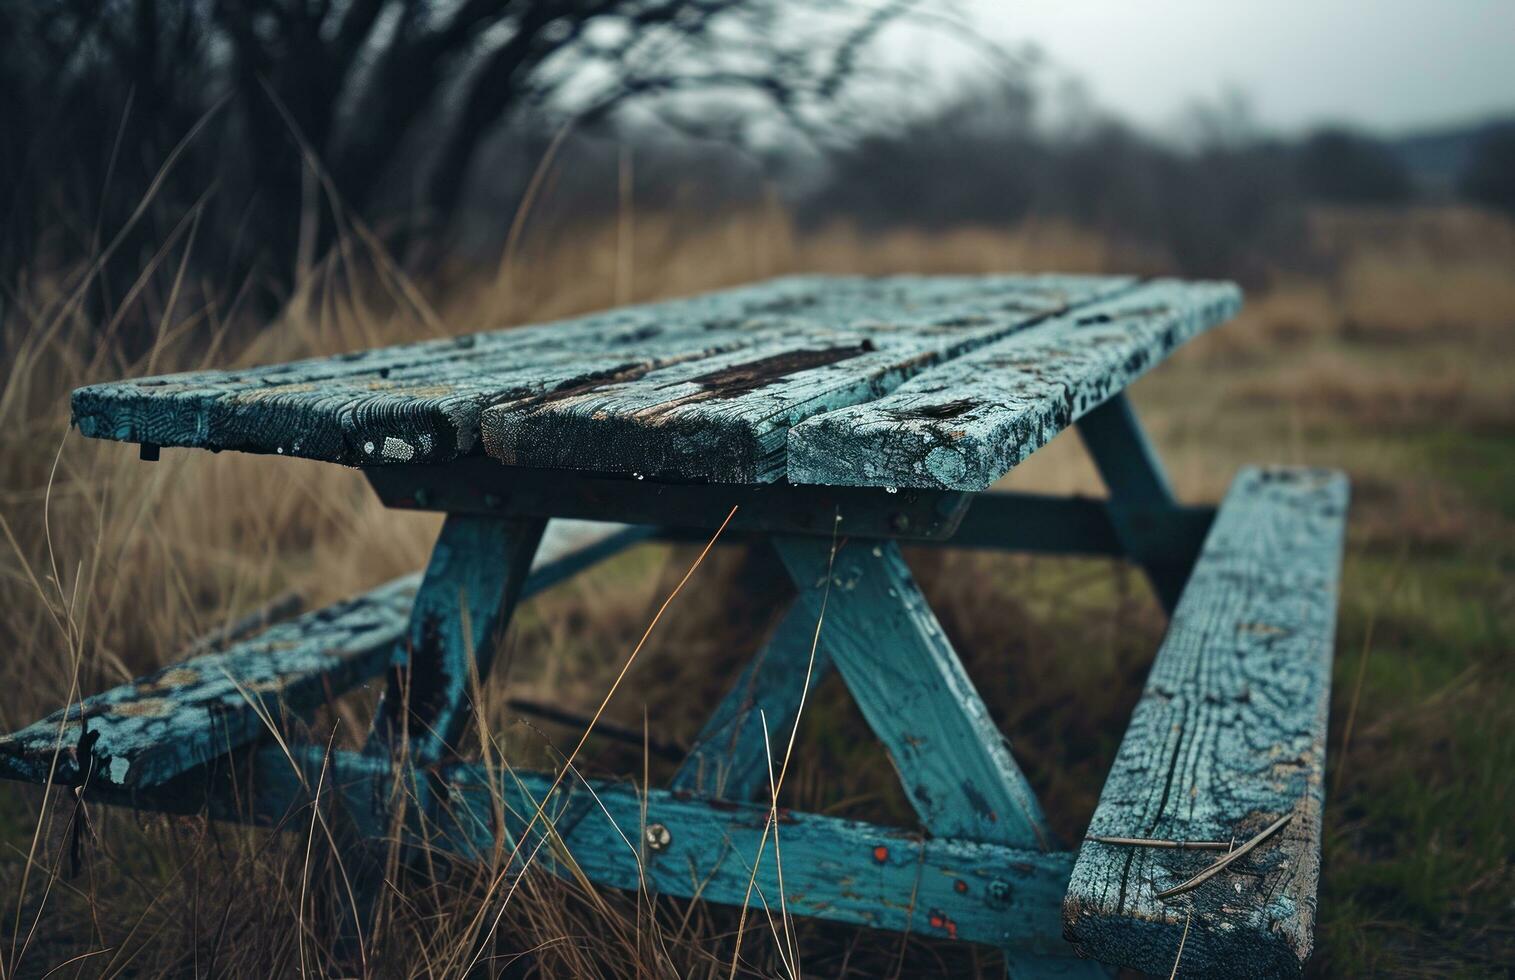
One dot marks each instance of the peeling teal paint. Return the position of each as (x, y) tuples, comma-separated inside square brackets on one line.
[(965, 423), (831, 868), (187, 714)]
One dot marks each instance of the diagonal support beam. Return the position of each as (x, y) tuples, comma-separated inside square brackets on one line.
[(729, 759), (1149, 521), (470, 589), (913, 691), (907, 680)]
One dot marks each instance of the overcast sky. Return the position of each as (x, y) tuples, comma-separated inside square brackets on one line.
[(1387, 64)]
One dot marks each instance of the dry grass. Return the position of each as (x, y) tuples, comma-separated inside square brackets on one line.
[(1395, 362)]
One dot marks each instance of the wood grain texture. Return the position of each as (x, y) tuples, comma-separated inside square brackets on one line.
[(954, 763), (770, 343), (964, 424), (1229, 735), (183, 715), (726, 418)]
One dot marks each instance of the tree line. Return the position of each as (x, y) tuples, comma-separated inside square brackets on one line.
[(255, 134)]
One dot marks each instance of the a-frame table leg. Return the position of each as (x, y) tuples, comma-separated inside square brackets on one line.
[(913, 691), (467, 595), (954, 762), (1141, 499), (466, 598)]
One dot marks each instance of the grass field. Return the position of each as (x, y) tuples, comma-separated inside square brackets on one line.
[(1393, 359)]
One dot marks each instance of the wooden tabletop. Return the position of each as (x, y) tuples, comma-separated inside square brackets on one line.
[(908, 381)]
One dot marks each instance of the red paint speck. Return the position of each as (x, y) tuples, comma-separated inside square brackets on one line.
[(960, 886), (881, 854), (940, 921)]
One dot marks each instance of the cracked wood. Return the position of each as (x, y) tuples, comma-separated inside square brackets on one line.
[(727, 418)]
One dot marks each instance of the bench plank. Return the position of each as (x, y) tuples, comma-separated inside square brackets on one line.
[(964, 424), (185, 714), (421, 402), (1229, 736)]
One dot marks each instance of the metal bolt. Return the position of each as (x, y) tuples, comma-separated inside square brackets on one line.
[(658, 837), (998, 892)]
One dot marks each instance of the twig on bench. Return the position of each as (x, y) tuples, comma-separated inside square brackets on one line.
[(1221, 864), (1171, 845)]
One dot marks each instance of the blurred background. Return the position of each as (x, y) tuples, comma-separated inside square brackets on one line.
[(221, 182)]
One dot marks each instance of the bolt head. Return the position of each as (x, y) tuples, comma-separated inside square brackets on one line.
[(658, 837)]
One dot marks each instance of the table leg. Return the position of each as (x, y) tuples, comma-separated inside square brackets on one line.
[(954, 762), (1146, 515), (914, 693), (472, 582), (465, 600)]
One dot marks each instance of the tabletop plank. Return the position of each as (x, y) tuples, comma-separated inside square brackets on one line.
[(726, 418), (417, 401), (964, 424), (421, 402)]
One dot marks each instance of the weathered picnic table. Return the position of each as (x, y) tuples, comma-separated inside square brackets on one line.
[(840, 417)]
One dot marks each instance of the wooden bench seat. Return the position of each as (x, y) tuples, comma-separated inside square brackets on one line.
[(1228, 738), (186, 714)]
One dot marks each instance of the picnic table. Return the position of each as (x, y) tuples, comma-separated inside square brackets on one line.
[(834, 418)]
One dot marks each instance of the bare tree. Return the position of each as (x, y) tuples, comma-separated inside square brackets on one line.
[(388, 102)]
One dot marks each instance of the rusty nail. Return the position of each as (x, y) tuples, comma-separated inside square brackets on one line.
[(658, 837)]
